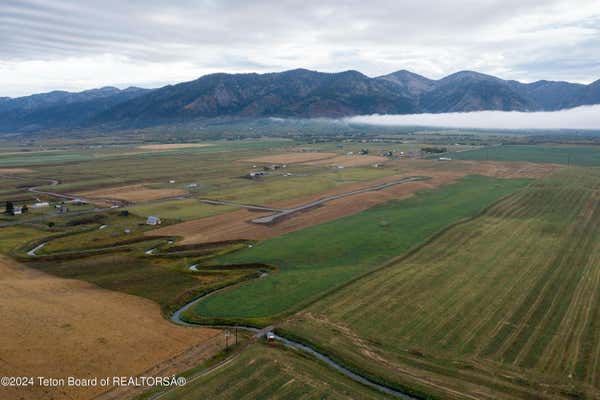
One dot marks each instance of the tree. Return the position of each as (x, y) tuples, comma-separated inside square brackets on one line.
[(10, 208)]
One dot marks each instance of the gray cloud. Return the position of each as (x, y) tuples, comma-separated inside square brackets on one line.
[(585, 117), (94, 43)]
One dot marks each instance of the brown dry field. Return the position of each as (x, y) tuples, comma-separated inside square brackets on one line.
[(292, 158), (236, 225), (58, 327), (11, 171), (172, 146), (132, 193), (349, 160)]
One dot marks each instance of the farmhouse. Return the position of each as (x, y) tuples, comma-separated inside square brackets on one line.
[(152, 220), (40, 204), (18, 211)]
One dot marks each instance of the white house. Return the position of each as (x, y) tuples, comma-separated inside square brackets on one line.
[(152, 220)]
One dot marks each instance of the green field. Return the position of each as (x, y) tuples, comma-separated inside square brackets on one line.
[(321, 257), (182, 210), (272, 372), (573, 155), (504, 306)]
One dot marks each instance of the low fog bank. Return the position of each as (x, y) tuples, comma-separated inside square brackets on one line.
[(585, 117)]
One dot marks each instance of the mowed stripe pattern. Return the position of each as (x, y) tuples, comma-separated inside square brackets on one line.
[(273, 372), (516, 290)]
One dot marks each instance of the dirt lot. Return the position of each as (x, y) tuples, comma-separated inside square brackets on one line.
[(349, 160), (132, 193), (172, 146), (236, 225), (292, 158), (57, 327), (14, 171)]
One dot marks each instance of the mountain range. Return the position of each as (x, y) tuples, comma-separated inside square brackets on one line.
[(297, 93)]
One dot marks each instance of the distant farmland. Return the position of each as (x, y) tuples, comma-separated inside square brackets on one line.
[(574, 155), (316, 259), (504, 306)]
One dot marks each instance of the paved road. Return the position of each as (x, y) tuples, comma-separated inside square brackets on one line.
[(248, 206), (287, 212)]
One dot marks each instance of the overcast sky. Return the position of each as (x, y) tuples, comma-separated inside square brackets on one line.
[(76, 45)]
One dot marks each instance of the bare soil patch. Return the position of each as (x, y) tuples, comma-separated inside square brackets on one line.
[(172, 146), (349, 160), (292, 158), (132, 193), (14, 171), (58, 327)]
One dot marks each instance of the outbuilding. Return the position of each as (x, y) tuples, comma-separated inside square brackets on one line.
[(152, 220)]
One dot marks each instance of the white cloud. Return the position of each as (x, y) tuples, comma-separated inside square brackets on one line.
[(585, 117), (519, 39)]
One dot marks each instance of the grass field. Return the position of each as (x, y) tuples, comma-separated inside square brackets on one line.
[(574, 155), (504, 306), (318, 258), (272, 372), (165, 281), (182, 210)]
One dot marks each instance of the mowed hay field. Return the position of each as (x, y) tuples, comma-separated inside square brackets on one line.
[(273, 372), (555, 154), (316, 259), (58, 327), (505, 306)]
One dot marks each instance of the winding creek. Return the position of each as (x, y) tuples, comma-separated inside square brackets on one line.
[(176, 318)]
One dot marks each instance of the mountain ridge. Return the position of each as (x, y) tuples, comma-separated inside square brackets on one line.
[(300, 93)]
